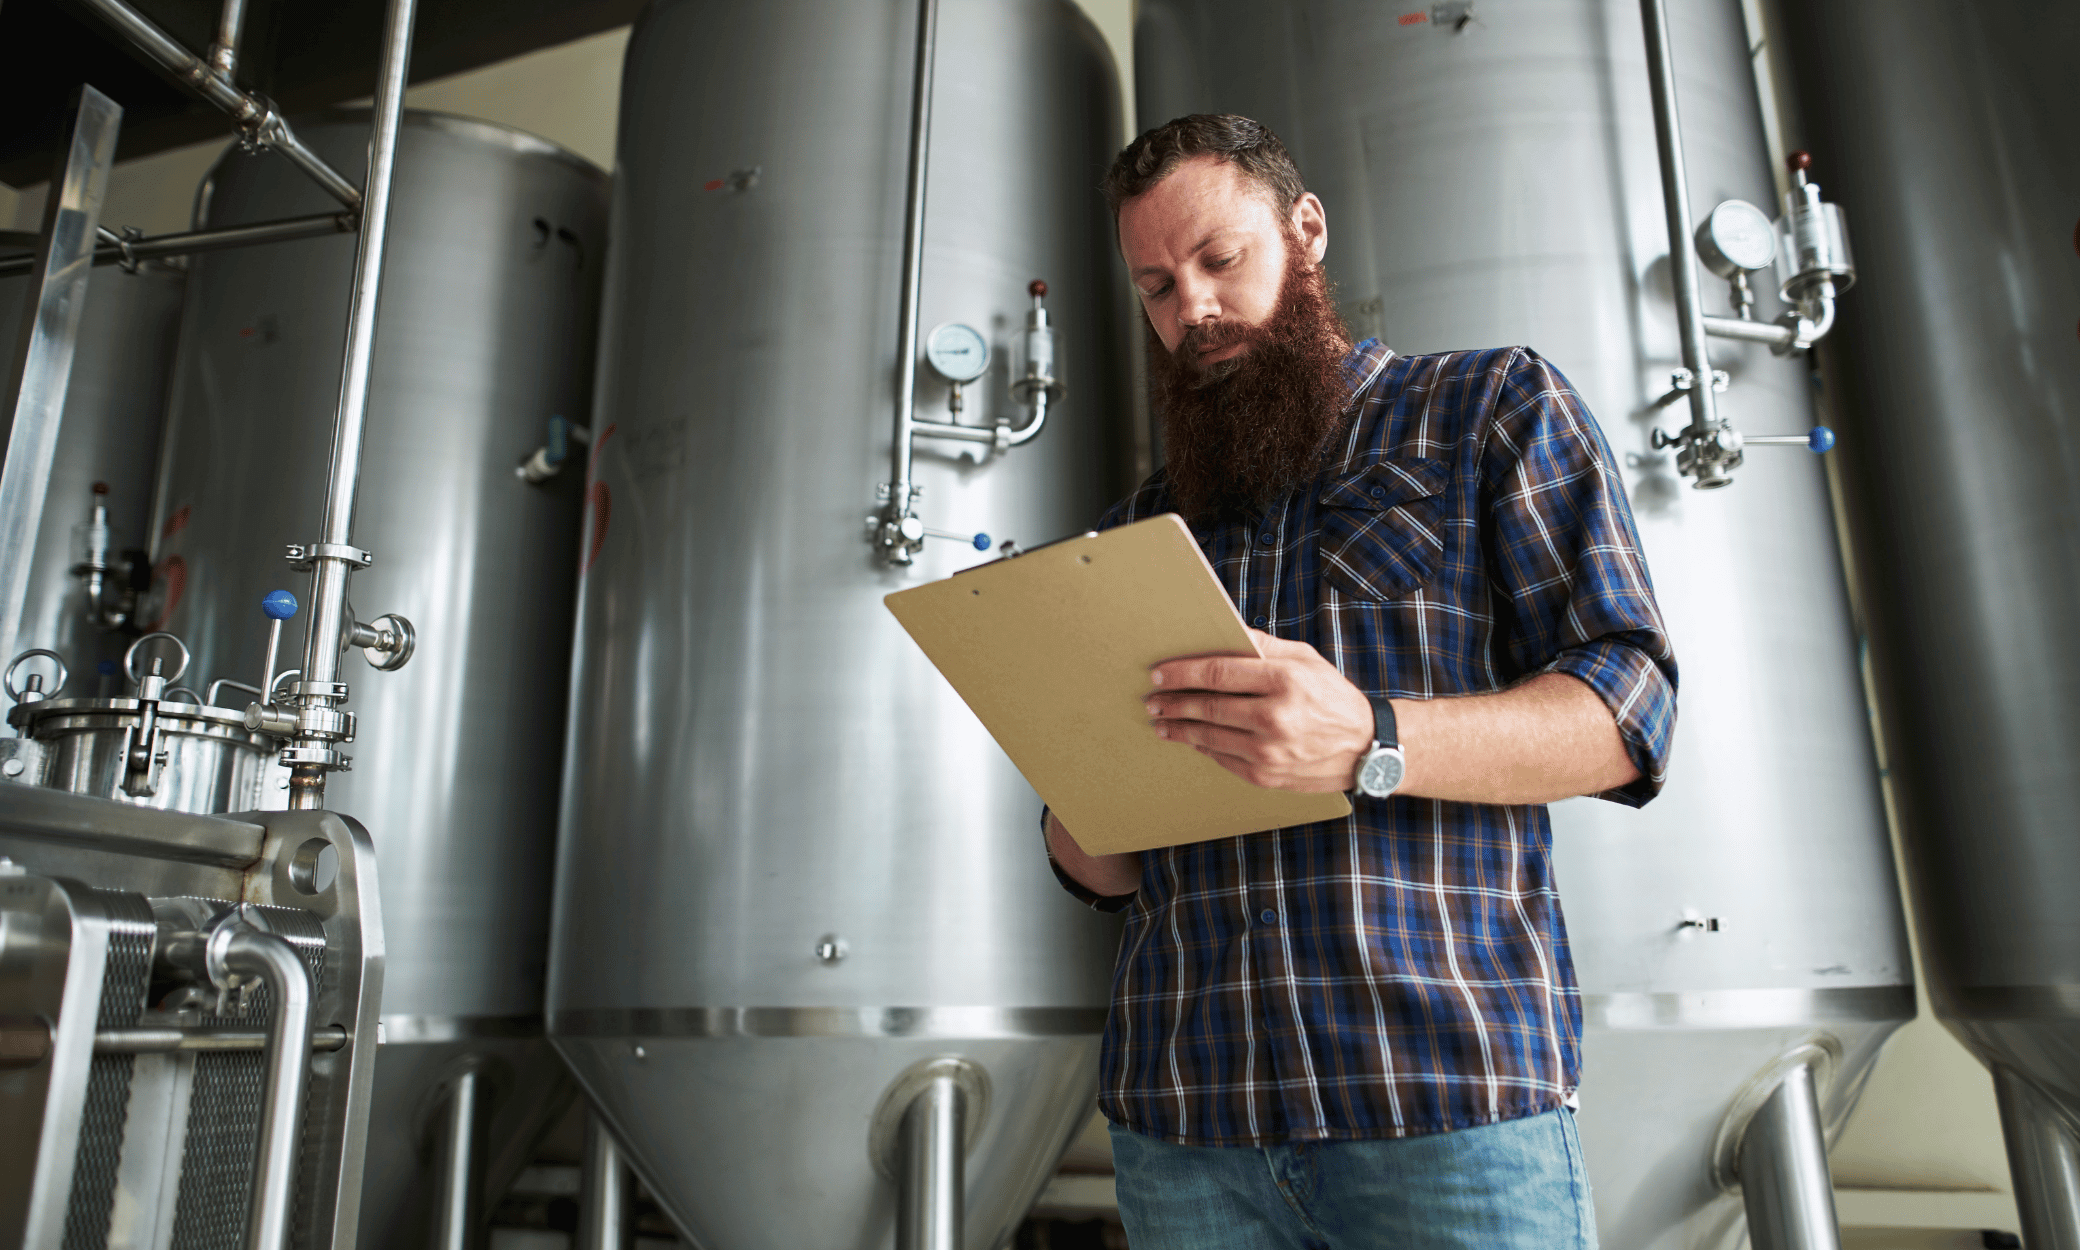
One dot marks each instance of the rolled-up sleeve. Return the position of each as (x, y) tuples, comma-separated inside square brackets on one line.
[(1564, 559)]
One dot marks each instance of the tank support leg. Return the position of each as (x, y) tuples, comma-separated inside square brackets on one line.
[(2044, 1159), (1784, 1177), (603, 1222), (930, 1207), (457, 1164)]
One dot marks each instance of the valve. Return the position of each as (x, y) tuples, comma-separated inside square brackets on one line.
[(142, 754), (1818, 440), (546, 461), (386, 642), (263, 715), (1813, 259)]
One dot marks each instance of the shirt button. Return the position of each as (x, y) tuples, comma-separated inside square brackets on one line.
[(1267, 538), (1378, 491), (1257, 621), (1268, 916)]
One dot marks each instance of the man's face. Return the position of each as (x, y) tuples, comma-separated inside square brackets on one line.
[(1206, 245)]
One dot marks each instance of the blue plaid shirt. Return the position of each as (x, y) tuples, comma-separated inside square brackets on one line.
[(1404, 970)]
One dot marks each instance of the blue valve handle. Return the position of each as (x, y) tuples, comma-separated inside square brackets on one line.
[(1820, 440), (558, 447), (279, 605), (978, 541), (981, 542)]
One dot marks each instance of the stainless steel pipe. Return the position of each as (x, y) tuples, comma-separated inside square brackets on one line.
[(603, 1222), (255, 116), (457, 1162), (274, 963), (1784, 1178), (334, 560), (930, 1205), (900, 489), (190, 242), (2044, 1160), (231, 21)]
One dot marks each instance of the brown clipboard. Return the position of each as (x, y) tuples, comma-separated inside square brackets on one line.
[(1051, 650)]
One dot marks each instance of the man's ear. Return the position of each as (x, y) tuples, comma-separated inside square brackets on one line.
[(1311, 224)]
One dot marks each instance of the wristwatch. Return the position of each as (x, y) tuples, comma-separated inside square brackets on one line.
[(1379, 773)]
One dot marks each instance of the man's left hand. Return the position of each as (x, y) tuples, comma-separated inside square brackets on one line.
[(1288, 721)]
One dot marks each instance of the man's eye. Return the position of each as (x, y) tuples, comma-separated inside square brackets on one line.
[(1222, 262), (1158, 293)]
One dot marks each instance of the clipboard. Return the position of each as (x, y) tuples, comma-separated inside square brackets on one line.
[(1051, 651)]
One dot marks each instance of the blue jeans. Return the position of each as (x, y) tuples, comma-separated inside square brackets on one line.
[(1517, 1185)]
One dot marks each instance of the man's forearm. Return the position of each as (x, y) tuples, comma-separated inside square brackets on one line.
[(1101, 874), (1550, 738)]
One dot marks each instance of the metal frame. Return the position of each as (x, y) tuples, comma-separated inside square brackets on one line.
[(129, 252)]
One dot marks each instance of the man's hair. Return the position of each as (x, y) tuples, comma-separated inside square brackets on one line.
[(1248, 145)]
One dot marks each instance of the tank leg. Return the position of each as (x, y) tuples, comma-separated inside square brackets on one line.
[(2044, 1159), (458, 1162), (603, 1222), (1784, 1178), (930, 1207)]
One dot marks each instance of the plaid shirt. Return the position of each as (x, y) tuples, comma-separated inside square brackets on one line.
[(1404, 970)]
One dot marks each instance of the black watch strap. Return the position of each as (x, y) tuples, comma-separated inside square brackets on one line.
[(1383, 727)]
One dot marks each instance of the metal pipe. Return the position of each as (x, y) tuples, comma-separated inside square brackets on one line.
[(930, 1206), (41, 359), (170, 1041), (603, 1222), (2043, 1159), (899, 485), (334, 562), (188, 243), (1774, 333), (252, 953), (1783, 1165), (1675, 194), (231, 21), (256, 118), (456, 1166)]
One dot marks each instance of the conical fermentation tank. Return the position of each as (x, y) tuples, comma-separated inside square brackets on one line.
[(793, 867), (484, 334), (115, 404), (1494, 181), (1949, 131)]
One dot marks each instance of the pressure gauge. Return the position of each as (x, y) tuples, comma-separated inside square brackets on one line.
[(1736, 238), (959, 353)]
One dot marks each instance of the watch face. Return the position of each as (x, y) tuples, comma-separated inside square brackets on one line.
[(1381, 773)]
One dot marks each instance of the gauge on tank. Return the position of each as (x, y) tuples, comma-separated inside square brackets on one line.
[(958, 352), (1736, 236)]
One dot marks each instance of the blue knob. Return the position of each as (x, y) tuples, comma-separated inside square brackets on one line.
[(981, 542), (559, 444), (1821, 439), (279, 605)]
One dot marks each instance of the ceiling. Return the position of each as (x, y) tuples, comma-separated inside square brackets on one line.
[(302, 55)]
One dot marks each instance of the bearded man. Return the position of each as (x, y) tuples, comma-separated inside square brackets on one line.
[(1362, 1033)]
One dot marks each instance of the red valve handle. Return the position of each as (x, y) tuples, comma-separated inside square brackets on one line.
[(1036, 288), (1799, 160)]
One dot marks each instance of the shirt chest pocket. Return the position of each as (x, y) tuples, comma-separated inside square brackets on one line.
[(1383, 529)]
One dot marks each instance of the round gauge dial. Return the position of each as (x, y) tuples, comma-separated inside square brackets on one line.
[(959, 353), (1736, 236)]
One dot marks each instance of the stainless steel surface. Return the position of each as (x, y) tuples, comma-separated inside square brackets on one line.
[(760, 760), (191, 859), (40, 367), (457, 1163), (603, 1205), (1946, 134), (934, 1153), (1785, 1183), (187, 243), (1709, 469), (1500, 185), (212, 762), (330, 620), (488, 315), (173, 1040), (258, 123), (273, 963), (223, 53), (115, 404), (2043, 1158)]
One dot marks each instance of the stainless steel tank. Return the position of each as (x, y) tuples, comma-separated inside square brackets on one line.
[(1495, 181), (485, 332), (1948, 137), (792, 864), (115, 405)]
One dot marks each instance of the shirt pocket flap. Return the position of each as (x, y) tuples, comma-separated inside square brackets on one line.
[(1383, 529)]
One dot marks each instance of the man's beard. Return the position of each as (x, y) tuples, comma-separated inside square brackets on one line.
[(1240, 433)]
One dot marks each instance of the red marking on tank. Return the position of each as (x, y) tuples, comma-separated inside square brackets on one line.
[(712, 184), (175, 523), (599, 503), (1414, 19), (172, 573)]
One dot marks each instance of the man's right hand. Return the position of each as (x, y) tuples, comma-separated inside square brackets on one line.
[(1109, 875)]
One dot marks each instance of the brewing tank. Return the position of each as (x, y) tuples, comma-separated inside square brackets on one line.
[(1949, 135), (1494, 181), (792, 865), (484, 333), (115, 404)]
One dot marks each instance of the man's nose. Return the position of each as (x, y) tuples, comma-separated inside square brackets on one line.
[(1196, 304)]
